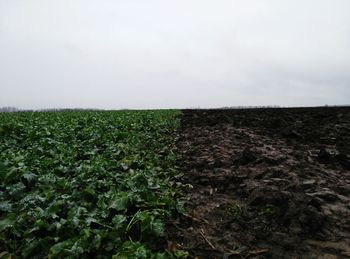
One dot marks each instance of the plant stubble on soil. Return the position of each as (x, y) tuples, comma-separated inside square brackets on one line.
[(265, 183)]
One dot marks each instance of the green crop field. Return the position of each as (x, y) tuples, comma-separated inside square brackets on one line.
[(87, 184)]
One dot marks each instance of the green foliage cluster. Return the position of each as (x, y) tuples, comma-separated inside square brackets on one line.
[(87, 184)]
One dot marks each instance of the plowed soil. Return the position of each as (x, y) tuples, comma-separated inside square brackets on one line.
[(265, 183)]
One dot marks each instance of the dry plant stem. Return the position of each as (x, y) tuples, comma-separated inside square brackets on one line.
[(206, 239)]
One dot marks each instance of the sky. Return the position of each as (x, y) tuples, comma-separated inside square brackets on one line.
[(117, 54)]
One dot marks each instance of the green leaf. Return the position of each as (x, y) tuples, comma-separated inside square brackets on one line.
[(5, 206), (41, 224), (119, 220), (17, 190), (30, 178), (181, 254), (132, 250), (157, 227), (3, 170), (30, 248), (58, 248), (7, 222), (55, 207), (180, 206), (119, 202)]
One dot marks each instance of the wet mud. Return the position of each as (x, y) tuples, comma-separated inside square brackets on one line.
[(265, 183)]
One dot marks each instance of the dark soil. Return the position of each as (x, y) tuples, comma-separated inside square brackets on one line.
[(265, 183)]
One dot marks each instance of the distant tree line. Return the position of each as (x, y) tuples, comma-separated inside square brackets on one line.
[(252, 107), (14, 109), (68, 109), (9, 109), (267, 107)]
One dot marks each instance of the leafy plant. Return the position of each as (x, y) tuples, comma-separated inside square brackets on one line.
[(87, 184)]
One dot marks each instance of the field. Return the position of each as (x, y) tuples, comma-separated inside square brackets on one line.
[(232, 183), (266, 183), (87, 184)]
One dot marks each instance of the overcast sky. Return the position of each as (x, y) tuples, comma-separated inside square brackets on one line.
[(174, 54)]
